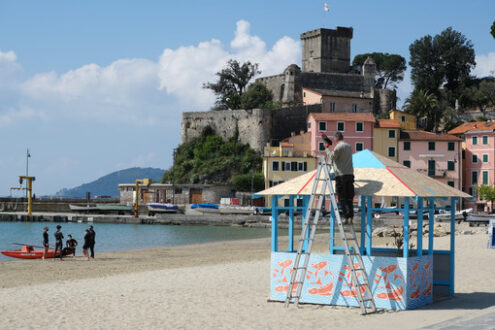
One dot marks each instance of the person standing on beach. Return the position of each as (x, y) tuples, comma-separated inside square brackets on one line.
[(87, 243), (58, 242), (93, 240), (45, 242), (341, 158)]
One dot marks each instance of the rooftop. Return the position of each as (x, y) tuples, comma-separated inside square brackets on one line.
[(488, 125), (343, 116), (427, 136), (387, 123)]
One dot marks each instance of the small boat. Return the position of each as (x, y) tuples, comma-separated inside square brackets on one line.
[(120, 209), (235, 209), (206, 207), (28, 252), (161, 208), (82, 208)]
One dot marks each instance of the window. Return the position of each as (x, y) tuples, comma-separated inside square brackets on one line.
[(354, 107), (403, 119), (485, 158), (407, 163), (321, 146), (359, 127), (311, 53), (359, 146), (275, 165), (475, 158), (293, 166), (485, 139), (286, 166), (431, 168), (309, 125), (474, 177), (301, 166), (322, 125), (484, 176), (451, 146), (391, 133), (474, 140), (340, 126), (332, 107), (304, 94), (450, 166), (431, 145), (391, 151), (450, 183), (407, 145)]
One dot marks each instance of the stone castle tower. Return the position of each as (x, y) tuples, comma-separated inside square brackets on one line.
[(325, 50)]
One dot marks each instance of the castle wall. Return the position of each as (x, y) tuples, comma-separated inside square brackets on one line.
[(291, 119), (254, 125), (332, 81), (275, 84)]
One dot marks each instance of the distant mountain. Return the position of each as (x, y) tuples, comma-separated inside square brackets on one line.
[(108, 185)]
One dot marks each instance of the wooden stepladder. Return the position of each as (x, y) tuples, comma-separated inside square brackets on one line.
[(351, 247)]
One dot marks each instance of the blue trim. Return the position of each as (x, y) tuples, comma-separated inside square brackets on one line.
[(332, 229), (419, 243), (405, 253), (369, 228), (452, 244), (441, 283), (306, 206), (274, 223), (363, 224), (441, 252), (431, 222), (291, 223)]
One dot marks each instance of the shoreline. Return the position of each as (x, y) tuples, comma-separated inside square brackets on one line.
[(221, 285)]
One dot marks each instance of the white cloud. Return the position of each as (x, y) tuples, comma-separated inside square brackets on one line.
[(485, 65), (136, 91), (142, 160), (183, 71)]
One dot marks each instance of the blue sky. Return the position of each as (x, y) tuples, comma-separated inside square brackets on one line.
[(92, 87)]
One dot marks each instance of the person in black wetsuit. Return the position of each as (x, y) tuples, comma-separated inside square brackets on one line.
[(45, 242), (70, 246), (87, 243), (93, 240), (58, 242)]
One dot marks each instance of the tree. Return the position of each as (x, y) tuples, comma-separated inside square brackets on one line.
[(493, 30), (425, 104), (390, 67), (231, 84), (441, 61), (487, 193), (257, 96), (480, 93)]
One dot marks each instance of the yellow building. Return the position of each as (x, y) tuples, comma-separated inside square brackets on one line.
[(290, 159), (386, 138), (406, 120)]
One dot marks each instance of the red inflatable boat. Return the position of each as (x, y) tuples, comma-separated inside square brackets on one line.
[(28, 252)]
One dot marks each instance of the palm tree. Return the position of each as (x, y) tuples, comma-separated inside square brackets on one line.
[(425, 104)]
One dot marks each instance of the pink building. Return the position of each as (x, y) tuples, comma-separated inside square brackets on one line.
[(436, 155), (479, 161), (357, 129)]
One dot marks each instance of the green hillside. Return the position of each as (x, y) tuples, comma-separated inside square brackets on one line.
[(108, 185)]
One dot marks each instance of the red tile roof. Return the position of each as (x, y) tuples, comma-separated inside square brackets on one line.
[(427, 136), (388, 123), (343, 116), (286, 144), (476, 126)]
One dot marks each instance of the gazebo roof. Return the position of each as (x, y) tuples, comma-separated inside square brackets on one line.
[(374, 175)]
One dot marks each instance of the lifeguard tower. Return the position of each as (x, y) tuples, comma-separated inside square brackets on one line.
[(398, 282)]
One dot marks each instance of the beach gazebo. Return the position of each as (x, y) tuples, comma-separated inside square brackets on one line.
[(398, 281)]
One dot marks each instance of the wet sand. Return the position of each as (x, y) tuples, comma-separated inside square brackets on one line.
[(217, 285)]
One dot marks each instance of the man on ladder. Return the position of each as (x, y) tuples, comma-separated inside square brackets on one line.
[(341, 158)]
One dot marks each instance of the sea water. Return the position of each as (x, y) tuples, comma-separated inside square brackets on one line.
[(118, 237)]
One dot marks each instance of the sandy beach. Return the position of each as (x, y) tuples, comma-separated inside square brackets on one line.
[(218, 285)]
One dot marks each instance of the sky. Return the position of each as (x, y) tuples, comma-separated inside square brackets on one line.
[(91, 87)]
